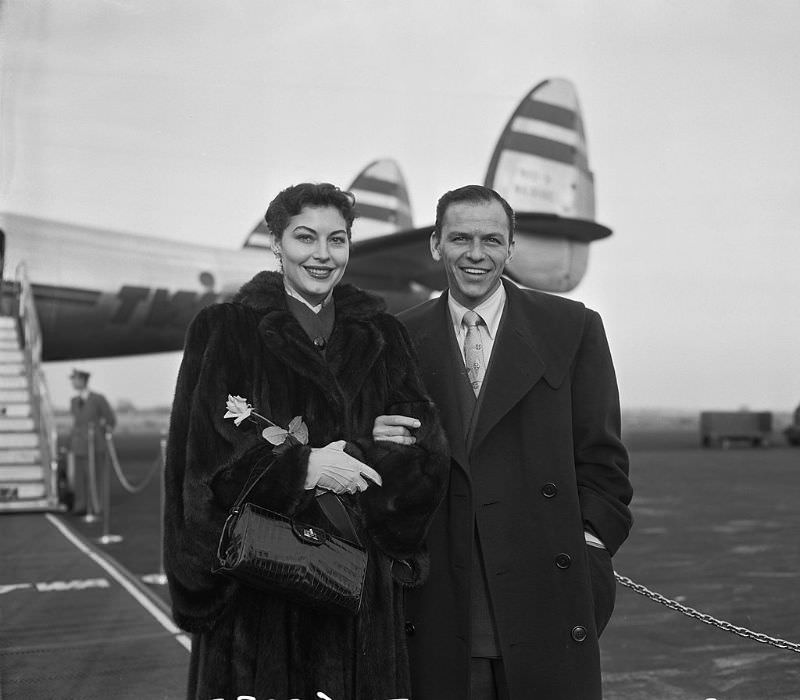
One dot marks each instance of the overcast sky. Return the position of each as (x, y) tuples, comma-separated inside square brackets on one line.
[(182, 120)]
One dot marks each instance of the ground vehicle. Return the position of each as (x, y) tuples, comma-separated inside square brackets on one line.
[(722, 428)]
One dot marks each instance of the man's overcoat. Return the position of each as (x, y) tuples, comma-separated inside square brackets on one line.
[(96, 410), (541, 463), (250, 643)]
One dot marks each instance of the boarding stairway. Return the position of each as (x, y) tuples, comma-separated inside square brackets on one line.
[(28, 436)]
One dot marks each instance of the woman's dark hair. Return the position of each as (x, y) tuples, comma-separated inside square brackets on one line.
[(290, 202), (472, 194)]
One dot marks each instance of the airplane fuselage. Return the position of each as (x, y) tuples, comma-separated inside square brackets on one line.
[(99, 294)]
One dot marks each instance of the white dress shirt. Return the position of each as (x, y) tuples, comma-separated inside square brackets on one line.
[(316, 308), (491, 311)]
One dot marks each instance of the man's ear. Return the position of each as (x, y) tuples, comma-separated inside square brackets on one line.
[(510, 252), (436, 253)]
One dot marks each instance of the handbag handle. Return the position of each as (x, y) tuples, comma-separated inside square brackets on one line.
[(248, 488), (330, 504), (334, 510)]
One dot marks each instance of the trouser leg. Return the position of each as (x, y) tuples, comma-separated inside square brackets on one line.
[(80, 483), (487, 680)]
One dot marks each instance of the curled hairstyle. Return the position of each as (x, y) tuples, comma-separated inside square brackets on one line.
[(290, 202), (472, 194)]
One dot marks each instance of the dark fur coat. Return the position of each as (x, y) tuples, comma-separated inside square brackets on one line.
[(247, 642)]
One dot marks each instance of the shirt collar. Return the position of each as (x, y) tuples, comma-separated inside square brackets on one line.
[(295, 295), (490, 310)]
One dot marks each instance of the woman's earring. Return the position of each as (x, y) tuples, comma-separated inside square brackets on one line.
[(278, 257)]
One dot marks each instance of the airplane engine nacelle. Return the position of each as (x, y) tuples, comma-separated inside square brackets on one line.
[(548, 264)]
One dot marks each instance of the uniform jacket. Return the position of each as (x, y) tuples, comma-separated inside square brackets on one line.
[(544, 463), (252, 643), (96, 410)]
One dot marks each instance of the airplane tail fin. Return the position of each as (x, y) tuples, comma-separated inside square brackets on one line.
[(382, 202), (541, 166), (382, 205), (259, 237)]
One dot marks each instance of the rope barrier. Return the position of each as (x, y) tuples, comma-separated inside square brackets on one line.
[(705, 618), (130, 488)]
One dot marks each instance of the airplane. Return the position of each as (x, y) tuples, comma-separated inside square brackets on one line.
[(99, 293), (81, 293)]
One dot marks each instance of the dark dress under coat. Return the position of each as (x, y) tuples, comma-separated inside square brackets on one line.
[(246, 642)]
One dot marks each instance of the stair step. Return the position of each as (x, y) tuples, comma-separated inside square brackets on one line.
[(11, 355), (21, 490), (21, 472), (15, 410), (14, 396), (12, 368), (16, 425), (20, 382), (20, 456), (8, 322), (19, 440), (39, 504), (9, 342)]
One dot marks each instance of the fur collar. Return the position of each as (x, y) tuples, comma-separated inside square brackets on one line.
[(355, 343), (265, 292)]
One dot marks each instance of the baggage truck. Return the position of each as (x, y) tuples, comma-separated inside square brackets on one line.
[(722, 428)]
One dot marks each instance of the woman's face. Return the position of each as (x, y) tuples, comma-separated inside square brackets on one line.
[(315, 250)]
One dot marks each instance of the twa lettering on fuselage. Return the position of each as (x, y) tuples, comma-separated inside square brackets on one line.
[(135, 319), (163, 308)]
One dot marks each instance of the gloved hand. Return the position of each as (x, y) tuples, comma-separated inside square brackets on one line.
[(333, 469)]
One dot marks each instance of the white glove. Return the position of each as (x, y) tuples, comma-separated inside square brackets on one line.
[(333, 469)]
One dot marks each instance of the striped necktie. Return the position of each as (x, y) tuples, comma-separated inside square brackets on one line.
[(473, 350)]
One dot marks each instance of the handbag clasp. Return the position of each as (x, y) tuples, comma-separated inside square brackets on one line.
[(308, 533)]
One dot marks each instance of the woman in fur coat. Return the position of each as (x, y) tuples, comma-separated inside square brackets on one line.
[(298, 344)]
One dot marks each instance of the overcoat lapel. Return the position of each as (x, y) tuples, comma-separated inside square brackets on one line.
[(517, 364), (442, 375)]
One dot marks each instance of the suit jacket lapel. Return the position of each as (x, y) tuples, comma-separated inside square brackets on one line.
[(516, 365)]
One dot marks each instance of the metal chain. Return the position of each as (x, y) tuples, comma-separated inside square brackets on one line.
[(130, 488), (705, 618)]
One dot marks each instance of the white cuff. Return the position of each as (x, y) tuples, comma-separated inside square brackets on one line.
[(593, 541)]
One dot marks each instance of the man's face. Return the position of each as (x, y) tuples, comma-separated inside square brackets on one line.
[(474, 247), (78, 383)]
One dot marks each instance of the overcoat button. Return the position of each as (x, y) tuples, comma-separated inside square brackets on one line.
[(563, 561), (549, 490), (319, 342), (410, 629), (578, 633), (403, 571)]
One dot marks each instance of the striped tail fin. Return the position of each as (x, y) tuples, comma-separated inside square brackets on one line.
[(382, 203), (541, 166)]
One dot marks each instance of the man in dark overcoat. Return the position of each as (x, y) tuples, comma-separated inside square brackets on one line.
[(87, 408), (521, 583)]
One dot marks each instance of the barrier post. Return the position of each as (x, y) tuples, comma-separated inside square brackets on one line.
[(107, 538), (160, 578), (91, 483)]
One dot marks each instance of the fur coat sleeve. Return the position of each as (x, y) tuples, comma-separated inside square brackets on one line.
[(414, 476), (204, 452)]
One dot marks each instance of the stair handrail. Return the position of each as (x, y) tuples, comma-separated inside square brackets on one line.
[(42, 404)]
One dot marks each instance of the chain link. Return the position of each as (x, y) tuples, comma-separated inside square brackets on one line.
[(705, 618)]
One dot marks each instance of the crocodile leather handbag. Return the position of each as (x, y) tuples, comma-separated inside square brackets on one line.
[(305, 563)]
